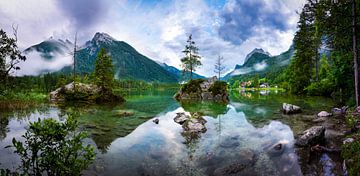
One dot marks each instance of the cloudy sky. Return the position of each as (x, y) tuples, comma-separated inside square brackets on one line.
[(159, 28)]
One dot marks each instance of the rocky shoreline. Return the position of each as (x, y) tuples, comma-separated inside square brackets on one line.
[(319, 147)]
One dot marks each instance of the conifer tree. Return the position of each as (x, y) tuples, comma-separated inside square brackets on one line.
[(191, 60)]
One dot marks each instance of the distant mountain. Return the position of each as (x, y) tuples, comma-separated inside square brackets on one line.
[(256, 51), (50, 48), (178, 73), (260, 62), (128, 63)]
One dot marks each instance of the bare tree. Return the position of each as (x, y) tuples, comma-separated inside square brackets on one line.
[(219, 66), (74, 69)]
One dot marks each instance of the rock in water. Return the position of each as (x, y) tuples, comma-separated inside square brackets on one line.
[(340, 111), (84, 92), (156, 121), (181, 118), (195, 125), (290, 109), (324, 114), (200, 89), (311, 136)]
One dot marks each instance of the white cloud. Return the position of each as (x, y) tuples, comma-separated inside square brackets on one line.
[(159, 31), (35, 64)]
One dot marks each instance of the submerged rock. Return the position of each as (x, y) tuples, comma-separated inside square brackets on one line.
[(232, 169), (191, 124), (290, 109), (276, 149), (124, 113), (311, 136), (324, 114), (195, 125)]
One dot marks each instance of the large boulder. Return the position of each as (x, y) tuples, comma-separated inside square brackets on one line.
[(290, 109), (311, 136), (340, 111), (83, 92), (191, 124)]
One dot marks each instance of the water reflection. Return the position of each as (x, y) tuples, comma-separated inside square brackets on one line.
[(248, 136), (163, 150)]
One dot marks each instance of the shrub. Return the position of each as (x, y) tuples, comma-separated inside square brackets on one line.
[(351, 152), (219, 87), (53, 148), (192, 86), (323, 88)]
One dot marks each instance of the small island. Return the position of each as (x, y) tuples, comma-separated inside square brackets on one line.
[(201, 89)]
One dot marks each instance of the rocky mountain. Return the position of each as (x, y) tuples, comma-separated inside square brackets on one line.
[(128, 63), (179, 74), (50, 48), (260, 62)]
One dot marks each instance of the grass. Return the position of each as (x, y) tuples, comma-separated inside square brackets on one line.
[(13, 100)]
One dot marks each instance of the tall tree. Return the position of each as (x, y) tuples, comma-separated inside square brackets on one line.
[(10, 55), (191, 60), (104, 71), (219, 66), (355, 50), (302, 65), (74, 61)]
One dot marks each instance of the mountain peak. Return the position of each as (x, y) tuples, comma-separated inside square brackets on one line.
[(103, 37), (256, 50)]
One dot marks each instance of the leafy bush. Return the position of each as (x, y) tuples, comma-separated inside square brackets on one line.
[(351, 152), (323, 88), (53, 148), (219, 87), (192, 86)]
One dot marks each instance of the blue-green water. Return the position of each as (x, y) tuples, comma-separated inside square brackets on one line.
[(239, 134)]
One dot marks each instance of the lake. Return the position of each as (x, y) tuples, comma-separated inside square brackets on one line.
[(239, 138)]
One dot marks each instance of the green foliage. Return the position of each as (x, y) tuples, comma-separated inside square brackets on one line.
[(192, 86), (191, 60), (53, 148), (256, 82), (323, 88), (219, 87), (104, 71), (9, 50), (9, 95), (351, 152), (236, 84)]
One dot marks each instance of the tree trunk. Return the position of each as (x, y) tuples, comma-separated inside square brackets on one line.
[(356, 71), (317, 66)]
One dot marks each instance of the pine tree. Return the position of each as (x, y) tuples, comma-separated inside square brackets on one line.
[(301, 67), (104, 71), (191, 60)]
